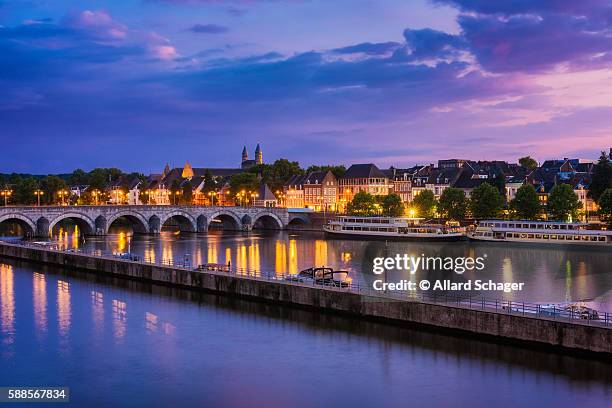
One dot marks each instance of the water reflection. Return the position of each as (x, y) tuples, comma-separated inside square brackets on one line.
[(7, 304), (39, 289), (64, 308), (550, 274), (119, 319), (174, 336)]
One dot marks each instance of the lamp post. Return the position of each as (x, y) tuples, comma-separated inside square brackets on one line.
[(95, 194), (212, 195), (38, 193), (176, 194), (62, 194), (6, 194)]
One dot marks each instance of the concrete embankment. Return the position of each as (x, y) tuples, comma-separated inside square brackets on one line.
[(548, 332)]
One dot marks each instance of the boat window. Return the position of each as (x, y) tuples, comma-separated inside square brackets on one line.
[(545, 236), (602, 239), (538, 236), (530, 236), (511, 225), (533, 226)]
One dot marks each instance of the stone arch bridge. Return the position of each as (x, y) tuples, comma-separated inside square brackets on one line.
[(146, 219)]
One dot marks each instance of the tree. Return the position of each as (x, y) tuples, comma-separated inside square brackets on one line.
[(187, 193), (24, 190), (486, 201), (337, 171), (51, 185), (499, 182), (425, 204), (392, 206), (602, 177), (143, 195), (278, 173), (528, 162), (363, 204), (453, 204), (526, 204), (605, 206), (209, 183), (78, 177), (563, 203), (243, 183)]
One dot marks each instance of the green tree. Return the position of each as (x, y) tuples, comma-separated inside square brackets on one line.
[(337, 171), (528, 162), (209, 183), (143, 195), (24, 190), (486, 201), (78, 177), (51, 185), (392, 205), (563, 203), (453, 204), (605, 206), (425, 204), (526, 204), (187, 193), (175, 191), (499, 182), (243, 183), (278, 173), (363, 204), (602, 177)]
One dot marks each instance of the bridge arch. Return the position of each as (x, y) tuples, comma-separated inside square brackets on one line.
[(267, 220), (185, 221), (228, 219), (138, 222), (297, 221), (84, 223), (24, 222), (154, 224)]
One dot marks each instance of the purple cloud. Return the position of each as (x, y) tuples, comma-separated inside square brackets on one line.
[(208, 29), (369, 48)]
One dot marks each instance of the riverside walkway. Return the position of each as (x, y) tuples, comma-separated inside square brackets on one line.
[(492, 318)]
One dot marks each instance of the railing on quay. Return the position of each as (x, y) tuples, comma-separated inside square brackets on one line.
[(569, 314)]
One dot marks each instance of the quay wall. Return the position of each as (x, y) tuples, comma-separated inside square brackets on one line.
[(547, 332)]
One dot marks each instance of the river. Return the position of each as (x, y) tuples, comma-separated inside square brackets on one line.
[(124, 343)]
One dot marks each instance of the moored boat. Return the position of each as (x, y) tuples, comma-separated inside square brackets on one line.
[(392, 228), (322, 276), (540, 232)]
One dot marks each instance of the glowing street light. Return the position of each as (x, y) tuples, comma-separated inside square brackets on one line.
[(63, 194), (6, 194), (95, 195), (38, 193)]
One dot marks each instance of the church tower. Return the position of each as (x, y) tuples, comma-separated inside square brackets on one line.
[(258, 155), (245, 155), (187, 171), (166, 170)]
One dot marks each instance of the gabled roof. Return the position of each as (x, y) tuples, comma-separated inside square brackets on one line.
[(368, 170), (265, 194)]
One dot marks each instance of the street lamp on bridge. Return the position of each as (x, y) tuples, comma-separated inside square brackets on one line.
[(6, 194), (62, 194), (38, 193)]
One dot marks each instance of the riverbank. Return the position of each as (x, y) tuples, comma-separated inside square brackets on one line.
[(498, 325)]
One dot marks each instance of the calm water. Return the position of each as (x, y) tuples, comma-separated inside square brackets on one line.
[(550, 274), (125, 343)]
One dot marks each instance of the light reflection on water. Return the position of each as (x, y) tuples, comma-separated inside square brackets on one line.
[(551, 274), (117, 342)]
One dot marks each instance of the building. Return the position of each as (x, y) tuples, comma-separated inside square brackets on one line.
[(401, 181), (362, 177), (265, 197), (293, 192), (246, 163)]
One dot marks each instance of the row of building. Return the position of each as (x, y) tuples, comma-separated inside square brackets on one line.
[(323, 191)]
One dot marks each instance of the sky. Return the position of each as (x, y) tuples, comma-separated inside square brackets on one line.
[(136, 84)]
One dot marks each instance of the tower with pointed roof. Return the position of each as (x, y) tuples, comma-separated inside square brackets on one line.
[(166, 170), (187, 171), (258, 155), (245, 154)]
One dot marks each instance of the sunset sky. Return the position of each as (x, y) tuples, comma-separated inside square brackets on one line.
[(138, 83)]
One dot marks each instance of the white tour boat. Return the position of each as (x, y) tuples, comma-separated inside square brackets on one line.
[(544, 232), (392, 228)]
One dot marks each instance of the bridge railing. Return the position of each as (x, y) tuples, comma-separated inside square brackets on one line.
[(568, 313)]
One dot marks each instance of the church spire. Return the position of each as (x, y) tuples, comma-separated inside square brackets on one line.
[(245, 155), (187, 171), (258, 155)]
